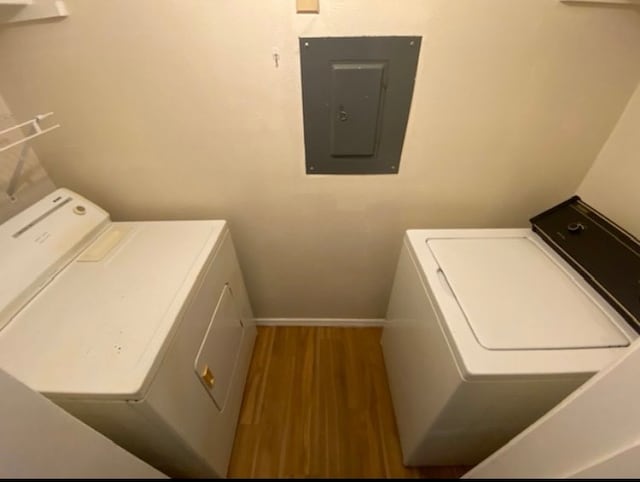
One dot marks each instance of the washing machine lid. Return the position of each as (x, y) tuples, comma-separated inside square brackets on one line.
[(100, 328), (515, 297)]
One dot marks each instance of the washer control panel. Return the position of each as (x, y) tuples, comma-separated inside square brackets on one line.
[(605, 254)]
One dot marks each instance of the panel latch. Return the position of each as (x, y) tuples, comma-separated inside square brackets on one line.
[(207, 377)]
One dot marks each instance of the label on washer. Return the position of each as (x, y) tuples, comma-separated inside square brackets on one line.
[(103, 245)]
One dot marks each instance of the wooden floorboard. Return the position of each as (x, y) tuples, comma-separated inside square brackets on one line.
[(317, 404)]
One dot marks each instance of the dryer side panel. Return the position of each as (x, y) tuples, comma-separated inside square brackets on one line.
[(177, 394)]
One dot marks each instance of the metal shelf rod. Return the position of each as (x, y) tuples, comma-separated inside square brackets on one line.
[(28, 138), (37, 130)]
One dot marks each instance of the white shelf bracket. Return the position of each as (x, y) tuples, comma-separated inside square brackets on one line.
[(36, 130), (13, 11)]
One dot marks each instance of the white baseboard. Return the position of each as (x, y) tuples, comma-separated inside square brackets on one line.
[(344, 322)]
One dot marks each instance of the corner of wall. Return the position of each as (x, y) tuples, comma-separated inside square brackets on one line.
[(611, 184), (614, 128)]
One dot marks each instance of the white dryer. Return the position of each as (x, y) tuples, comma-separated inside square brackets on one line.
[(487, 329), (143, 330)]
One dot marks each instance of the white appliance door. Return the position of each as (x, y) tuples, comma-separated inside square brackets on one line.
[(515, 297), (217, 357)]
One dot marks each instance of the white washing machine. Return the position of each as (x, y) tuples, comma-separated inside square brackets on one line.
[(487, 329), (143, 330)]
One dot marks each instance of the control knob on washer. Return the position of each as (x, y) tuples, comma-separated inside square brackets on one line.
[(575, 228)]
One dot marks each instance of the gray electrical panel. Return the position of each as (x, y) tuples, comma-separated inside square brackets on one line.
[(356, 95)]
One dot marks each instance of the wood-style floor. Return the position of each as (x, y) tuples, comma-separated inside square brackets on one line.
[(317, 404)]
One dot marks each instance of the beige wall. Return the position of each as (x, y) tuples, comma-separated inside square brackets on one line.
[(174, 109), (612, 185)]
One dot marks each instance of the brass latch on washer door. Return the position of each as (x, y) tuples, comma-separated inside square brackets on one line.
[(207, 377)]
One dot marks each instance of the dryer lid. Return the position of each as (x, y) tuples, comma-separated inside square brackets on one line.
[(515, 297)]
